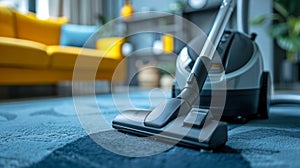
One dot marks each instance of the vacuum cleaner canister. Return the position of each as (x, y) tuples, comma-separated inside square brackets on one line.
[(247, 87)]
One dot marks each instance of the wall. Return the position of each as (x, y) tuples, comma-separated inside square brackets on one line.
[(260, 7)]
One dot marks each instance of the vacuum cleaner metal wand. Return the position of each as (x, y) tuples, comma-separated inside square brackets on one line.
[(218, 29), (191, 91)]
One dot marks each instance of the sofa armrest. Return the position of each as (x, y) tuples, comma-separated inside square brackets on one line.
[(111, 46)]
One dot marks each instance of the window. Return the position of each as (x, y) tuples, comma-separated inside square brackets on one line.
[(42, 6), (20, 5), (42, 9)]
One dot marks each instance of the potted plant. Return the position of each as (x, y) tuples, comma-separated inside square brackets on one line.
[(286, 26), (285, 30)]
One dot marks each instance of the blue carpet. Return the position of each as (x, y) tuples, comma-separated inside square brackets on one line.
[(49, 133)]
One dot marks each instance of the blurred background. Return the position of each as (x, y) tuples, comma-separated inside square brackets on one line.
[(276, 22)]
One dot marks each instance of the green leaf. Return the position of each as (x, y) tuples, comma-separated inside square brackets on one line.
[(258, 20), (297, 27), (294, 23), (281, 9), (279, 30), (289, 43)]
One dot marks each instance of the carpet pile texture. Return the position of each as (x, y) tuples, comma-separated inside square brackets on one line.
[(67, 132)]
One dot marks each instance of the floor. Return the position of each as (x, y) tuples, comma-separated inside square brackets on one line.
[(68, 132)]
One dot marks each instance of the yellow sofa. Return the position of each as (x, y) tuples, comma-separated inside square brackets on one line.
[(30, 53)]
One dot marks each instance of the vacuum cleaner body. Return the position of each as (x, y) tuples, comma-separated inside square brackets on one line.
[(247, 86)]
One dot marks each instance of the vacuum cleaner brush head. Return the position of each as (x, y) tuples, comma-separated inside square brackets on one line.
[(180, 131)]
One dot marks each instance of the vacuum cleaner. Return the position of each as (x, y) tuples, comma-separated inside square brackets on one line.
[(248, 87), (228, 70)]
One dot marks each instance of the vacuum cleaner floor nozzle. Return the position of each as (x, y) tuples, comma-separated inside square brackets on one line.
[(180, 131)]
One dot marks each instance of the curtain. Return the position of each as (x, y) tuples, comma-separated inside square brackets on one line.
[(84, 12)]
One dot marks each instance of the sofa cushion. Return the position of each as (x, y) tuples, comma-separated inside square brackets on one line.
[(23, 53), (64, 57), (7, 22), (76, 35), (43, 31)]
